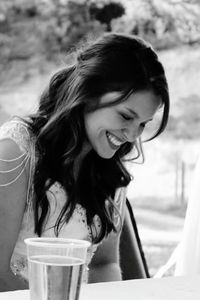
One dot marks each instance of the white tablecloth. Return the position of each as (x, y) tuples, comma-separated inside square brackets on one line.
[(171, 288)]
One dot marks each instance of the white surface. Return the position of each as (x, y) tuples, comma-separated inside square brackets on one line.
[(17, 295), (171, 288)]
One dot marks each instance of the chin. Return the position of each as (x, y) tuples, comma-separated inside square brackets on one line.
[(104, 151), (106, 155)]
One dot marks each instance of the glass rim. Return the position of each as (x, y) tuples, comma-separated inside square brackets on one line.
[(59, 242)]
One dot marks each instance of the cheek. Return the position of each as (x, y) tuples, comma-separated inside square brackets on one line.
[(91, 125), (87, 121), (94, 120)]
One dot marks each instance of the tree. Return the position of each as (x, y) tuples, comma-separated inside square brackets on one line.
[(107, 13)]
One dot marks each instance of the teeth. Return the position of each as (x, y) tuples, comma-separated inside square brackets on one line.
[(114, 140)]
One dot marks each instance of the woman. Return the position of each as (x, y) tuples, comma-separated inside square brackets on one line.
[(62, 168)]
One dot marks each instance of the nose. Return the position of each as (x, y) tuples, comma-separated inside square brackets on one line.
[(132, 132)]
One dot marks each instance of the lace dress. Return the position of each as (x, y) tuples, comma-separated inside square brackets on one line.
[(77, 227)]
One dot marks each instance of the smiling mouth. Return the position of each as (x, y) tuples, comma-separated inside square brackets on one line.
[(114, 142)]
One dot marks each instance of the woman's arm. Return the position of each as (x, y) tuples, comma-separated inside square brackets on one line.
[(105, 263), (12, 205)]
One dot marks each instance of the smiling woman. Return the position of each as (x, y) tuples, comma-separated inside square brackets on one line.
[(112, 126), (62, 168)]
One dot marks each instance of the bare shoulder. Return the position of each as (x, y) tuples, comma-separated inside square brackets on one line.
[(13, 177), (13, 186), (9, 149)]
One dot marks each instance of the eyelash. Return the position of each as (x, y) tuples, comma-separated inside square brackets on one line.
[(126, 117)]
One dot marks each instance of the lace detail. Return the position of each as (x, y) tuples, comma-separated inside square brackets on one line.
[(76, 228), (17, 131), (20, 267)]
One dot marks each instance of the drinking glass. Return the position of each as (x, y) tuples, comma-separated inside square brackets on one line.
[(55, 267)]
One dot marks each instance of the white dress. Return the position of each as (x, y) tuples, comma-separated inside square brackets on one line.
[(188, 254), (77, 227)]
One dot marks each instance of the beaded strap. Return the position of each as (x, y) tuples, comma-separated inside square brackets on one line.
[(23, 162), (17, 131)]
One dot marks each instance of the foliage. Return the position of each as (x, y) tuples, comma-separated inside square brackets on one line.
[(186, 125), (66, 24), (43, 27), (165, 24), (107, 13), (47, 27)]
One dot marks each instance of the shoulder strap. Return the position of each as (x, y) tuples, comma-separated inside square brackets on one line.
[(134, 224)]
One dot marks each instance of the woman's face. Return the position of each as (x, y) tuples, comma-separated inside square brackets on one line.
[(108, 128)]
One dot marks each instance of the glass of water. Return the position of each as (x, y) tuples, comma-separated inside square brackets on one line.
[(56, 266)]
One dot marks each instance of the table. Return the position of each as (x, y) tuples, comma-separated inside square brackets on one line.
[(169, 288)]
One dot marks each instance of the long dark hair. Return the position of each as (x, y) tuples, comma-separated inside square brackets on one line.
[(114, 62)]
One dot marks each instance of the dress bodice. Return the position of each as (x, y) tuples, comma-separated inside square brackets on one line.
[(77, 227)]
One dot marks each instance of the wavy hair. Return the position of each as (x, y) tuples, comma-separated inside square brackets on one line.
[(114, 62)]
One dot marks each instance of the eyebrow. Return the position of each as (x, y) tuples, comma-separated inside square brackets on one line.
[(133, 112)]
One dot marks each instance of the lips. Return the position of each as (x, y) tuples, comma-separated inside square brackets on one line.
[(114, 141)]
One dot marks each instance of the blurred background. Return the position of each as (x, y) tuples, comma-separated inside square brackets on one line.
[(34, 39)]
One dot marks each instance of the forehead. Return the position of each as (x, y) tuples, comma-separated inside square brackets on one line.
[(143, 103)]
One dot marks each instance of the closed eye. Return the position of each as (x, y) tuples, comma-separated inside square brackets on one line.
[(126, 117)]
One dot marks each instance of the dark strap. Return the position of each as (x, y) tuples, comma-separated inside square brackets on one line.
[(137, 237)]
